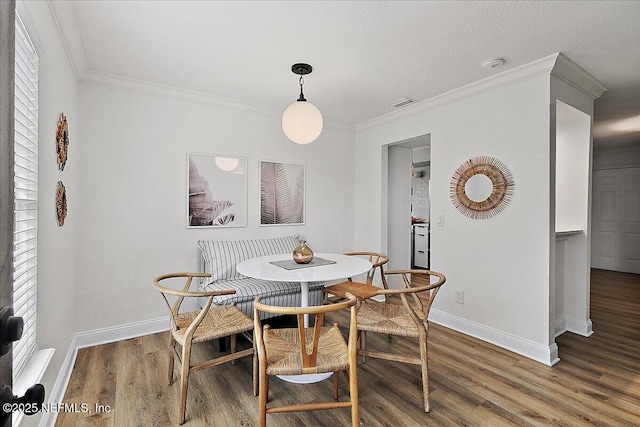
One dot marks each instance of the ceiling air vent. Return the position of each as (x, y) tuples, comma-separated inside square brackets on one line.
[(401, 102)]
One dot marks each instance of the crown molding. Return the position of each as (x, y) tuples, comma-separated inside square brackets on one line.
[(528, 71), (99, 78), (557, 64), (574, 75), (65, 19), (114, 81)]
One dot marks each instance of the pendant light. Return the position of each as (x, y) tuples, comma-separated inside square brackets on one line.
[(302, 121)]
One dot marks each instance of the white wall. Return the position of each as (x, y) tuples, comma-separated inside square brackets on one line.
[(572, 139), (573, 171), (399, 210), (126, 183), (56, 245), (132, 203), (573, 153), (505, 265), (502, 263), (560, 322), (628, 157)]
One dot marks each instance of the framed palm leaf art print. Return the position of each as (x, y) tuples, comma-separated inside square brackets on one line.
[(282, 193), (217, 191)]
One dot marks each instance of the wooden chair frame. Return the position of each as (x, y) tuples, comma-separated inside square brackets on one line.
[(184, 356), (339, 290), (308, 360), (417, 305)]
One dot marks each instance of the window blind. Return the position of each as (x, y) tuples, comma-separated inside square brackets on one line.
[(25, 242)]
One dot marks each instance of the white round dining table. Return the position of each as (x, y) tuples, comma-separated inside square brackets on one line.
[(344, 266)]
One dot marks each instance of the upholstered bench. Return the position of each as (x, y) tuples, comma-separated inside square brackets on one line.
[(220, 257)]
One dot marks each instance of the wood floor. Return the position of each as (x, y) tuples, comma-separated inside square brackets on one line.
[(473, 383)]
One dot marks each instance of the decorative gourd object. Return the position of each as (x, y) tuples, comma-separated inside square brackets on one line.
[(302, 254)]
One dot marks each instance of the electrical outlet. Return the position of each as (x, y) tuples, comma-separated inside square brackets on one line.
[(459, 296)]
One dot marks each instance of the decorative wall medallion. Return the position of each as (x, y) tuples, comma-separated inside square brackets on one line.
[(481, 187), (61, 203), (62, 141)]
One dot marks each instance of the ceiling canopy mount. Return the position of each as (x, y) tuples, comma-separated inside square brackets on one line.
[(301, 69)]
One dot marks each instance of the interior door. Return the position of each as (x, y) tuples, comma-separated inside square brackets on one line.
[(615, 244)]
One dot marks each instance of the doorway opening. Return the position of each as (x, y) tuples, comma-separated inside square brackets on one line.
[(406, 202)]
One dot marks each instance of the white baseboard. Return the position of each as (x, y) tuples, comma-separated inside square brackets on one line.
[(547, 355), (90, 339), (560, 327), (580, 327), (121, 332)]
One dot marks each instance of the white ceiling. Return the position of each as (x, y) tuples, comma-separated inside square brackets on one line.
[(365, 54)]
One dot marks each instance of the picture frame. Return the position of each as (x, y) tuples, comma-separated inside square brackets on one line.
[(282, 193), (216, 191)]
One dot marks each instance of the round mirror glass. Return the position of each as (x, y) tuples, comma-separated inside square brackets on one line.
[(478, 188)]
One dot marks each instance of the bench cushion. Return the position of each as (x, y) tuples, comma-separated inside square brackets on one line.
[(221, 257), (271, 293)]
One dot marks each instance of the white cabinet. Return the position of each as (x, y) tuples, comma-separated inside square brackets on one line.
[(421, 245)]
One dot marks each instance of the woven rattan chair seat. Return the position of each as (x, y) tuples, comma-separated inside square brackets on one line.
[(387, 319), (407, 317), (221, 321), (208, 323), (283, 350)]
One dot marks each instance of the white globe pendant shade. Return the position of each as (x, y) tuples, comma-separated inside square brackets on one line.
[(302, 122)]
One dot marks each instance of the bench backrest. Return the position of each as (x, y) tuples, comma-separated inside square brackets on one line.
[(221, 256)]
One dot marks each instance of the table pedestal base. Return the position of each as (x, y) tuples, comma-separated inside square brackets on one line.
[(305, 378)]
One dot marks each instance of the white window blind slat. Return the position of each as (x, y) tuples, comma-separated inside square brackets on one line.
[(23, 281), (25, 241), (25, 182), (25, 93), (24, 215), (24, 305), (25, 133), (23, 259), (25, 117), (25, 226), (25, 152)]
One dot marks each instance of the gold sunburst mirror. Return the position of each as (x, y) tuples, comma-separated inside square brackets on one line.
[(481, 187)]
